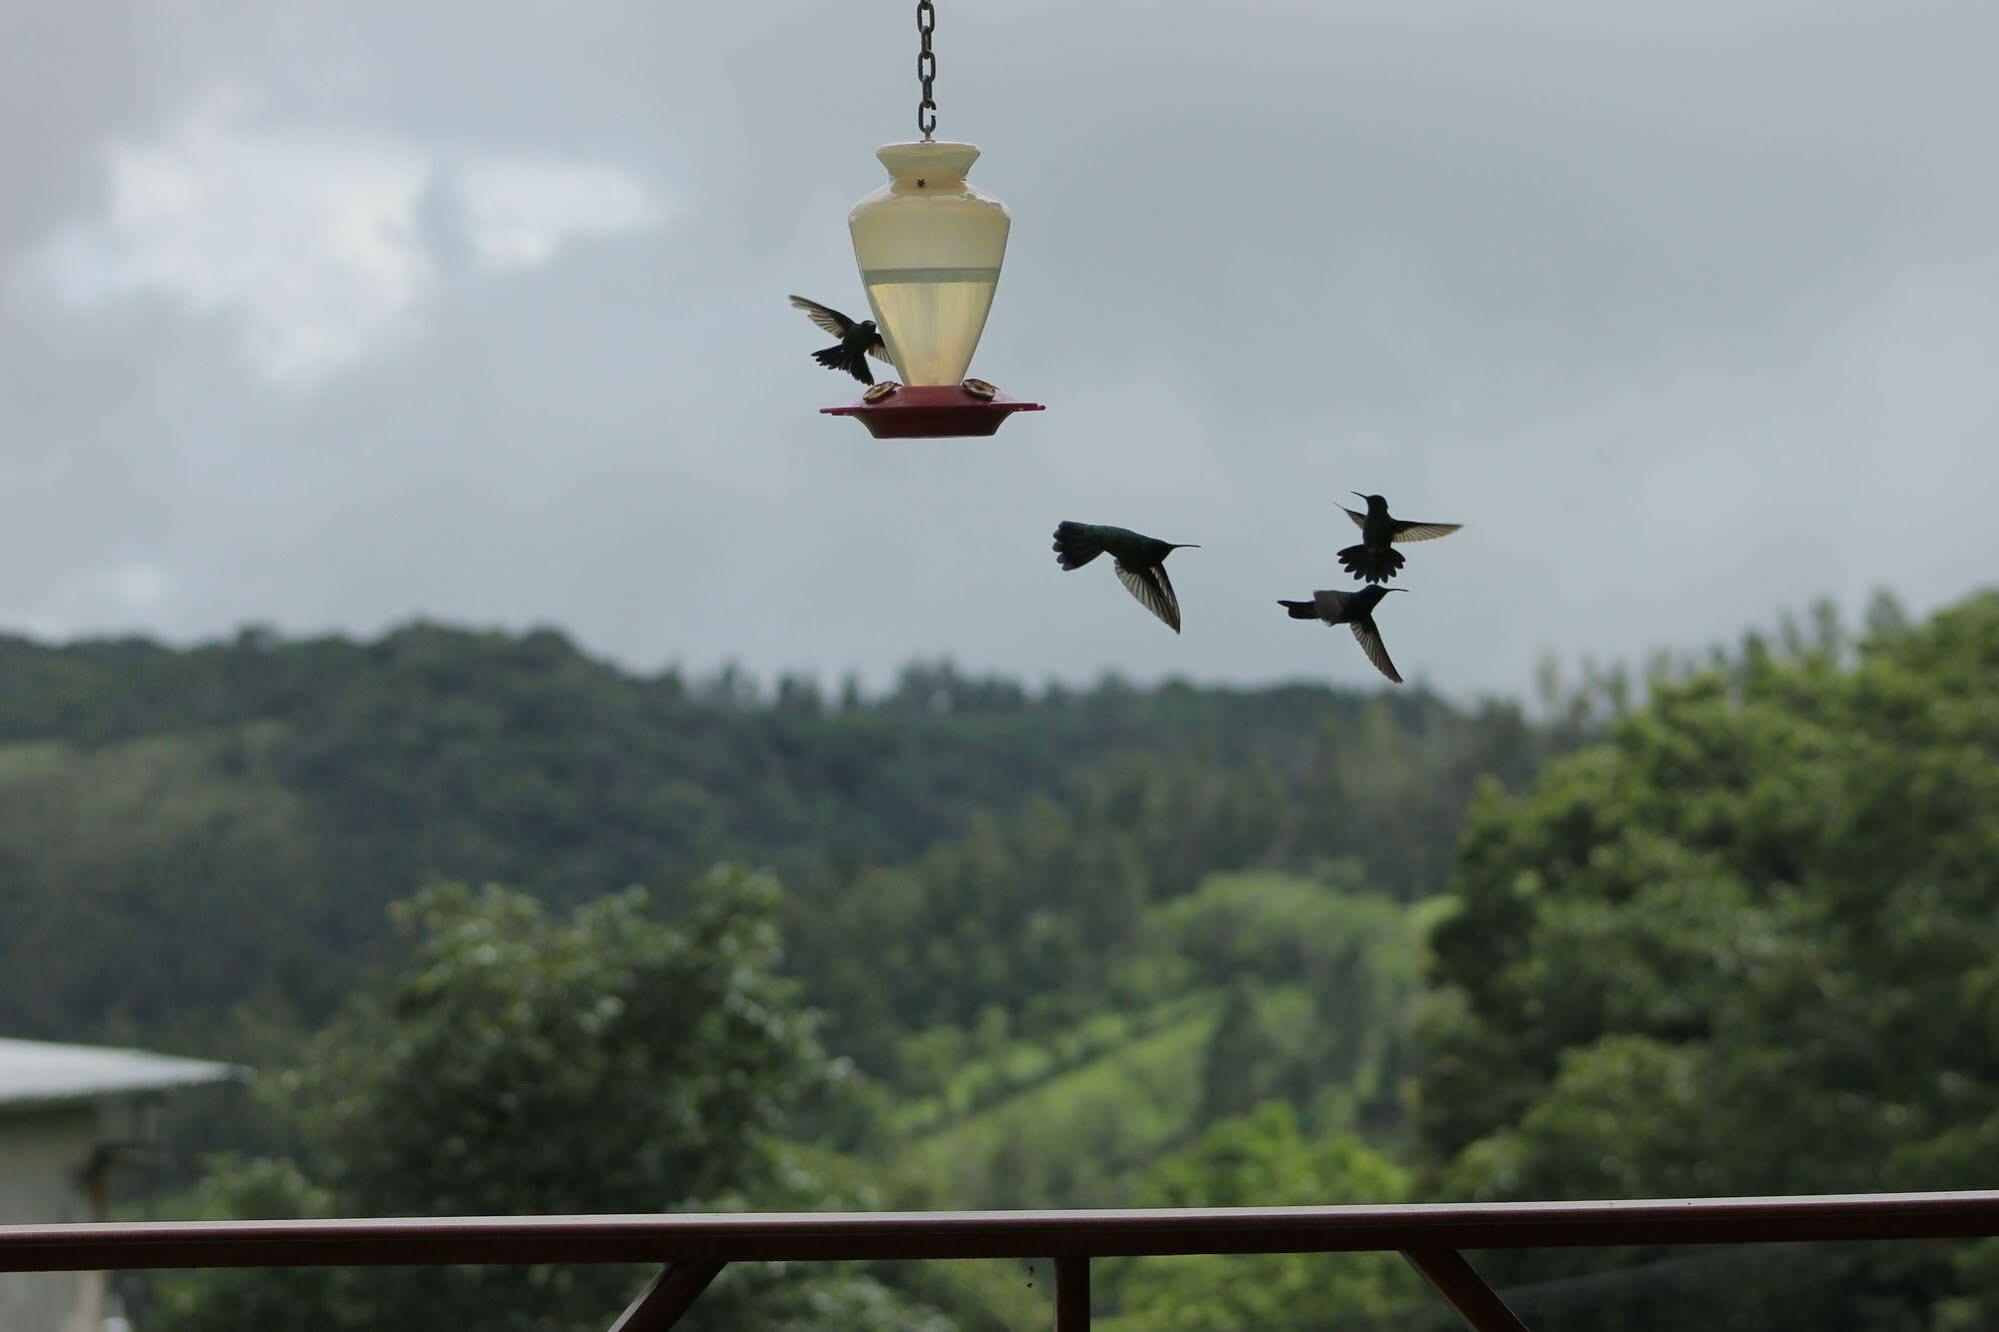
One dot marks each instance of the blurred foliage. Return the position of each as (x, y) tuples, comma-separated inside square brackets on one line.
[(1262, 1159), (515, 1063), (1722, 924), (183, 830), (1743, 946), (1009, 907)]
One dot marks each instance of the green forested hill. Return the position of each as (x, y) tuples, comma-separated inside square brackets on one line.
[(182, 829), (1061, 933), (1731, 933)]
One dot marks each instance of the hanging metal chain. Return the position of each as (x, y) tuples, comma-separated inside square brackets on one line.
[(926, 68)]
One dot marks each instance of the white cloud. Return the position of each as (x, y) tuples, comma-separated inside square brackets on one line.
[(518, 213), (316, 246), (137, 586), (102, 598)]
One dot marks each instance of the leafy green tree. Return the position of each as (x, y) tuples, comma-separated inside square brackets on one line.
[(1262, 1159), (1744, 946), (517, 1063)]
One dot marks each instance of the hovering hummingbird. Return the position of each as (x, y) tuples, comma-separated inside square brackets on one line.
[(1355, 609), (857, 341), (1375, 559), (1141, 562)]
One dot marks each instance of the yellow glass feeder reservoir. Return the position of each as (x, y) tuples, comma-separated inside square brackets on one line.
[(930, 247)]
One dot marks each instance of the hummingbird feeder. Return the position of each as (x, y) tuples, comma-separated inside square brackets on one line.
[(929, 248)]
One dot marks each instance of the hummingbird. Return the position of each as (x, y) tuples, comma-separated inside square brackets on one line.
[(857, 341), (1355, 609), (1375, 559), (1141, 562)]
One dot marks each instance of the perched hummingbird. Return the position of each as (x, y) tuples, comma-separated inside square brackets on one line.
[(1375, 559), (1141, 562), (1351, 608), (857, 341)]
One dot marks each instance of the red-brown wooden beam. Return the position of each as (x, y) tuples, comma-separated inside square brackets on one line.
[(1464, 1290), (1072, 1294), (864, 1236), (671, 1294)]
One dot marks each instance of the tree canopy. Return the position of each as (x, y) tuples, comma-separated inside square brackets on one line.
[(516, 1063), (1746, 945)]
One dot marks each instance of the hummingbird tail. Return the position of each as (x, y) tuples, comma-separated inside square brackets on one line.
[(1300, 610), (852, 360), (1075, 545), (1371, 566)]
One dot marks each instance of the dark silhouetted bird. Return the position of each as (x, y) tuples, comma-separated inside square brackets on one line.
[(1375, 559), (1355, 609), (857, 341), (1141, 562)]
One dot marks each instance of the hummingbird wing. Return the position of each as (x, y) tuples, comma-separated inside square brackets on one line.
[(1153, 589), (1424, 531), (1370, 642), (825, 316), (879, 349), (1359, 519)]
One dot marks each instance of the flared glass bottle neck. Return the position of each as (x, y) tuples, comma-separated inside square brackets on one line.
[(935, 163)]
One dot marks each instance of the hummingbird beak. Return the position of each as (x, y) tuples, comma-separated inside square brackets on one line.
[(1186, 545), (1356, 494)]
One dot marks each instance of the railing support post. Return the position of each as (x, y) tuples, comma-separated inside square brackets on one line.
[(671, 1294), (1072, 1294), (1464, 1290)]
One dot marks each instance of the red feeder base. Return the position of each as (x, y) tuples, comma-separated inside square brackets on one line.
[(933, 411)]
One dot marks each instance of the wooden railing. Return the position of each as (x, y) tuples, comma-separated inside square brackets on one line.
[(693, 1249)]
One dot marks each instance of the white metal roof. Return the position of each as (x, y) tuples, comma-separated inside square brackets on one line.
[(39, 1073)]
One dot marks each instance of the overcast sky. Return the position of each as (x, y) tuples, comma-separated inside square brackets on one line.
[(327, 315)]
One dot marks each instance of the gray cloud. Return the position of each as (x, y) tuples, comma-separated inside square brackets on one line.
[(1685, 312)]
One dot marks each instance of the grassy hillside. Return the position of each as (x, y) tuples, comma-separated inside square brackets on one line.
[(1081, 1132)]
